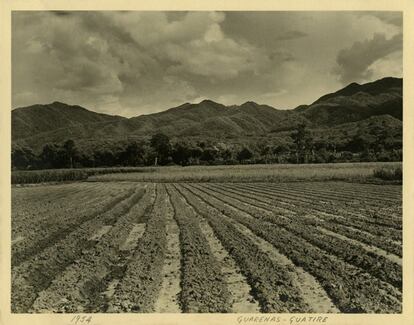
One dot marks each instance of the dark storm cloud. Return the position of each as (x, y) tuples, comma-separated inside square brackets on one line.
[(354, 62), (130, 63)]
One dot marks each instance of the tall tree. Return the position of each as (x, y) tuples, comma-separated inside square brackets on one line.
[(209, 155), (244, 154), (70, 151), (50, 156), (23, 158), (303, 142), (162, 147), (181, 154), (133, 155)]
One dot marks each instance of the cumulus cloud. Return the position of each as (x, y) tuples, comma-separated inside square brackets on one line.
[(390, 17), (131, 63), (132, 55), (291, 34), (354, 62)]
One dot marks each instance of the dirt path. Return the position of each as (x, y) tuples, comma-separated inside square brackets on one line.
[(312, 292), (135, 234), (168, 301), (243, 301)]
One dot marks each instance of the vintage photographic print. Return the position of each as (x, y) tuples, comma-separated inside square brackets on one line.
[(206, 162)]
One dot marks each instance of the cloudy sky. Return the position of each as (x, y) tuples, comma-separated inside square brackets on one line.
[(132, 63)]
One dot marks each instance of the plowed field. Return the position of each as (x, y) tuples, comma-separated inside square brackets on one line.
[(318, 247)]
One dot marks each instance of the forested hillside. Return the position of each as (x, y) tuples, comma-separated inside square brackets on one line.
[(356, 123)]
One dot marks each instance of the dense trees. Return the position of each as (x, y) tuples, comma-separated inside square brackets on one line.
[(244, 154), (160, 143), (23, 158), (300, 146), (133, 155), (70, 152), (181, 154), (303, 143)]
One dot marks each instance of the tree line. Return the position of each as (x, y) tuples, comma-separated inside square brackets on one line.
[(301, 147)]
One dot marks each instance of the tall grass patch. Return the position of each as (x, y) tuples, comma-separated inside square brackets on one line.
[(254, 173), (389, 173), (65, 175)]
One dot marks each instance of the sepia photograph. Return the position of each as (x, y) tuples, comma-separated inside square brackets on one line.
[(206, 162)]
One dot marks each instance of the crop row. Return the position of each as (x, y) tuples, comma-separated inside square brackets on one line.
[(330, 221), (373, 210), (328, 212), (337, 191), (36, 217), (271, 283), (373, 215), (36, 206), (377, 265), (83, 282), (37, 272), (388, 227), (362, 188), (351, 289), (139, 286), (46, 234), (48, 192), (334, 207), (325, 221), (202, 284)]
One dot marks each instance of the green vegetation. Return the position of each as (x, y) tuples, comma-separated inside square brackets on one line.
[(374, 172), (389, 173), (302, 145), (358, 172), (63, 175)]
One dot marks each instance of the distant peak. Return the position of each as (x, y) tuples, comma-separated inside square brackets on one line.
[(209, 101), (56, 103), (353, 84), (390, 78), (183, 105), (250, 103)]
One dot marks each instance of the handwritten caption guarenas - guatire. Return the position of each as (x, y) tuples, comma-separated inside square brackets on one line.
[(291, 320)]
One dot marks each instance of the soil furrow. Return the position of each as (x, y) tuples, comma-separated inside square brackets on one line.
[(386, 224), (243, 301), (371, 215), (337, 193), (87, 283), (168, 299), (378, 251), (355, 254), (140, 284), (364, 293), (329, 212), (37, 273), (31, 216), (313, 294), (54, 234), (331, 222), (203, 288), (271, 283)]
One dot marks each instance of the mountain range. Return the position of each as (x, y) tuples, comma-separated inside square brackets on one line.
[(356, 106)]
